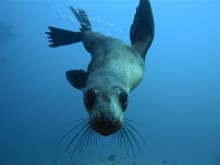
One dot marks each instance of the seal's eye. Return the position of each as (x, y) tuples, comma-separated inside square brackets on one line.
[(123, 99), (90, 97)]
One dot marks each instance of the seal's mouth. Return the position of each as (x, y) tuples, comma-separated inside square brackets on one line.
[(105, 126), (85, 131)]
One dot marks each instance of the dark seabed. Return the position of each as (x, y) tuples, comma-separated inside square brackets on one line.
[(176, 105)]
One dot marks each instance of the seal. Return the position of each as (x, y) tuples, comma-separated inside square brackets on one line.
[(115, 69)]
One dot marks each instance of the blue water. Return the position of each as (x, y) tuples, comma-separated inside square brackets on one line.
[(176, 104)]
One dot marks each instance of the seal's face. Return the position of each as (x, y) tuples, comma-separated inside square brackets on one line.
[(106, 107)]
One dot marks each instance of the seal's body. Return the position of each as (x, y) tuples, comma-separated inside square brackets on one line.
[(115, 69)]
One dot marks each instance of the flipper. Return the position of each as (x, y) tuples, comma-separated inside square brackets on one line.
[(142, 29), (82, 17), (77, 78), (60, 37)]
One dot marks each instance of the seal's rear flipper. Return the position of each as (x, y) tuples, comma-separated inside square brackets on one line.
[(82, 17), (142, 29), (61, 37), (77, 78)]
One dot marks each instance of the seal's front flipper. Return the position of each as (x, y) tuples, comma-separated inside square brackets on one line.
[(142, 29), (60, 37), (77, 78)]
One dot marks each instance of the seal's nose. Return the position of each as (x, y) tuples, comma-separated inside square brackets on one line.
[(105, 124), (106, 120)]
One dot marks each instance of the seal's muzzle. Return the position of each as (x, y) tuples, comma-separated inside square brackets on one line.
[(105, 124)]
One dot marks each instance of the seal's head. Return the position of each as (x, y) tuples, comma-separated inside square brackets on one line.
[(106, 105)]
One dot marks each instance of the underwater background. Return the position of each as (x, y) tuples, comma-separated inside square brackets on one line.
[(176, 105)]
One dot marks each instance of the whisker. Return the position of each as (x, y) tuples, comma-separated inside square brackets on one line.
[(128, 140), (82, 143), (114, 137), (135, 140), (84, 136), (79, 144), (123, 140), (89, 141), (81, 139), (129, 120), (128, 124), (70, 143), (119, 138), (86, 139), (96, 138), (78, 125), (73, 122)]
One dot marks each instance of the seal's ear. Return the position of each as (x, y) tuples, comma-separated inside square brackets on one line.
[(77, 78)]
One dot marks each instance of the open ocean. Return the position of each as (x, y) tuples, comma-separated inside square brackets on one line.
[(176, 106)]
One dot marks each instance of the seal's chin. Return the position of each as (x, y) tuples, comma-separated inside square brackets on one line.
[(105, 126)]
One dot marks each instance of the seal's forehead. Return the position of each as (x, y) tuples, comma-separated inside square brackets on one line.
[(105, 89)]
